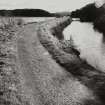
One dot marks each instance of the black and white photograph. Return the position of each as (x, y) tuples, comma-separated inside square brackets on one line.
[(52, 52)]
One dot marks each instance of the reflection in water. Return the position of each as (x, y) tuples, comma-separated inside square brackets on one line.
[(88, 41)]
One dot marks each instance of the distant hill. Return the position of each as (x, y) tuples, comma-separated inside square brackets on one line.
[(26, 13), (61, 14)]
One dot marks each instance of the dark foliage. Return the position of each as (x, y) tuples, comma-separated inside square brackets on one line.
[(88, 13), (99, 24), (25, 13)]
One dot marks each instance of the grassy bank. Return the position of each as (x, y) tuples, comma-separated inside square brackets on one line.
[(80, 69)]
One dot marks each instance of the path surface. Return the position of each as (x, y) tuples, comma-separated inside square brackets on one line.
[(44, 80)]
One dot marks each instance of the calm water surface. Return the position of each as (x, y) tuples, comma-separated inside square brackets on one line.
[(89, 43)]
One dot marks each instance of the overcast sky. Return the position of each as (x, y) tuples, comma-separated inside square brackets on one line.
[(50, 5)]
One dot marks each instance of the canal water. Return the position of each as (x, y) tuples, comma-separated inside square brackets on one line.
[(88, 42)]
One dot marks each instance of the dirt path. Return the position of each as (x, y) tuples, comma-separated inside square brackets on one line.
[(44, 80)]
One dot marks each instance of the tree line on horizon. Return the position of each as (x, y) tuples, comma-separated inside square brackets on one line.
[(26, 13)]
